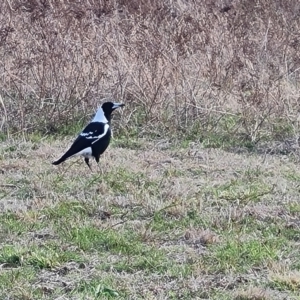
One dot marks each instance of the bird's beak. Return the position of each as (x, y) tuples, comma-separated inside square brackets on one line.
[(117, 105)]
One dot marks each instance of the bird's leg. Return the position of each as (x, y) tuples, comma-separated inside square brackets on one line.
[(97, 160), (87, 162)]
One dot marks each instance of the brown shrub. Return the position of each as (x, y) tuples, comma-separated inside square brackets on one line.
[(173, 63)]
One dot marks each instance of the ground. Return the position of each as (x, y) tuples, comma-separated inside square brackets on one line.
[(156, 220)]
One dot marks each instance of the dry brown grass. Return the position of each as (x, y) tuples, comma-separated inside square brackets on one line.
[(233, 64), (254, 293)]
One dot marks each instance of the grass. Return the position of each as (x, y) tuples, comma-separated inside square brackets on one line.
[(154, 223), (198, 197)]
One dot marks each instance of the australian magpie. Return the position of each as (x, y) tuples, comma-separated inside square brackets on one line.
[(95, 137)]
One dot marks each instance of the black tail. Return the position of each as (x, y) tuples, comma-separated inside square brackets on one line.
[(59, 161)]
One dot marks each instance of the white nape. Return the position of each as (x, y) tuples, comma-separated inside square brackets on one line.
[(100, 117)]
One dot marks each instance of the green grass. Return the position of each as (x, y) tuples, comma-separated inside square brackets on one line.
[(12, 279), (47, 256), (164, 222), (241, 191), (12, 223), (99, 289), (241, 256), (150, 225)]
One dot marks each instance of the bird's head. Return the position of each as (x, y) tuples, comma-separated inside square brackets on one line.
[(109, 107)]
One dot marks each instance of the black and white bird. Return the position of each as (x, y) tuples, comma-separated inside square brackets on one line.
[(95, 137)]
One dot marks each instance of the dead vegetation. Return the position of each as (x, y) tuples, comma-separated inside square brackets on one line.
[(210, 66)]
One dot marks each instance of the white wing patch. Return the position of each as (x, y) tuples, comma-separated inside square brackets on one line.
[(86, 133), (106, 127)]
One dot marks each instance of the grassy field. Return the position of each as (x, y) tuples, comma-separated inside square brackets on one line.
[(198, 194), (157, 220)]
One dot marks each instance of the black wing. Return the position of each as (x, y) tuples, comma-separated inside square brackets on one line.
[(91, 133), (88, 136)]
